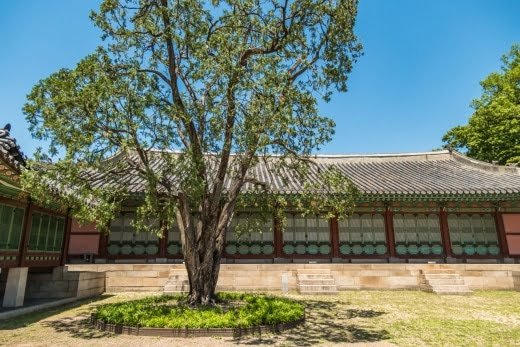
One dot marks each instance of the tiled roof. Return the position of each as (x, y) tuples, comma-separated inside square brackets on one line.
[(434, 173), (10, 152), (440, 173)]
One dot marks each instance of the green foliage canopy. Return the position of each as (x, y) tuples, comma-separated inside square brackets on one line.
[(493, 131), (189, 95)]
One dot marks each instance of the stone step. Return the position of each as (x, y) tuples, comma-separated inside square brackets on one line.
[(317, 287), (317, 281), (314, 276), (456, 290), (178, 273), (176, 288), (442, 281), (319, 293), (178, 277), (313, 271), (435, 276), (426, 288), (177, 282), (445, 287)]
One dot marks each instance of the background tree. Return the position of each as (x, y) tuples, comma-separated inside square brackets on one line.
[(189, 95), (493, 131)]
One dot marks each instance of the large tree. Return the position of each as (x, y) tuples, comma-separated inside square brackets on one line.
[(189, 95), (493, 131)]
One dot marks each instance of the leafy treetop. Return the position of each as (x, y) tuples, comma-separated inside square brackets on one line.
[(493, 131), (192, 77)]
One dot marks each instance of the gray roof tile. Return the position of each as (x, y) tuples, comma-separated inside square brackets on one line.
[(432, 173)]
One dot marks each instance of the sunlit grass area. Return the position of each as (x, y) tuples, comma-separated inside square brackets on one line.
[(404, 318)]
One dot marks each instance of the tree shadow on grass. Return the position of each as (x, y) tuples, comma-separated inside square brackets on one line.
[(326, 321), (77, 327), (31, 318)]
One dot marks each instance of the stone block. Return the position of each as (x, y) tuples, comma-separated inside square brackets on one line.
[(141, 273), (165, 273), (147, 267), (51, 286), (15, 287), (115, 289), (370, 281), (135, 282), (379, 273), (60, 294), (91, 283), (59, 272), (347, 281)]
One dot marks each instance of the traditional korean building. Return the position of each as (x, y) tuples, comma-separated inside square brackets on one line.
[(413, 207), (32, 237)]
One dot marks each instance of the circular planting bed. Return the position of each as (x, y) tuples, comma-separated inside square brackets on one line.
[(234, 314)]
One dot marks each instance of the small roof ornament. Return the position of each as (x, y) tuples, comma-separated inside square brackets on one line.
[(9, 150)]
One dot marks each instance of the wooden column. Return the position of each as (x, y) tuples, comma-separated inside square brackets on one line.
[(103, 244), (66, 238), (445, 231), (163, 241), (278, 238), (26, 233), (334, 236), (389, 229), (502, 239)]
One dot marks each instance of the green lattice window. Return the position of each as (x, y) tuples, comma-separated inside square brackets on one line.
[(417, 234), (46, 232), (306, 235), (11, 227), (473, 234), (362, 234), (125, 240), (250, 233), (174, 246)]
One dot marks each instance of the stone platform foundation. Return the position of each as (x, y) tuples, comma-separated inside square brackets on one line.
[(20, 284), (268, 277), (63, 283)]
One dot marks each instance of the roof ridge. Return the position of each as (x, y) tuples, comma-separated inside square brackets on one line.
[(382, 155), (346, 155), (482, 165)]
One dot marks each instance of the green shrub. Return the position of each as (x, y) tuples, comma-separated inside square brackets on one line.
[(232, 310)]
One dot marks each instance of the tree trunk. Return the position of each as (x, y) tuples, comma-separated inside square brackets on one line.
[(203, 245), (203, 280)]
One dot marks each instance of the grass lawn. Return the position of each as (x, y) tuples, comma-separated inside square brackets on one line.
[(404, 318)]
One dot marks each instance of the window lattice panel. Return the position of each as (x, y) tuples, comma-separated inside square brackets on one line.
[(473, 234), (417, 234), (362, 234)]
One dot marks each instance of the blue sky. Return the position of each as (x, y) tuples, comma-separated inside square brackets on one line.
[(422, 65)]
